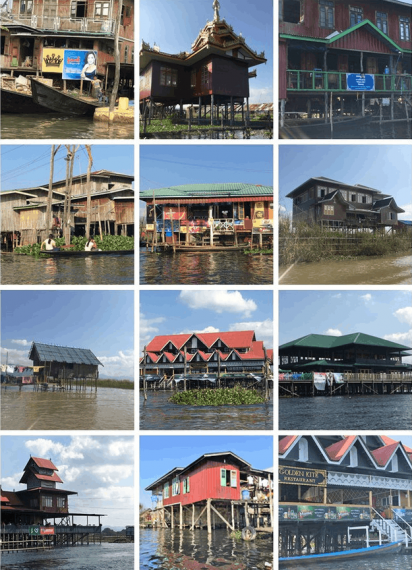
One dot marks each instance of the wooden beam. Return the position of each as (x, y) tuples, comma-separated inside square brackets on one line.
[(201, 513), (222, 517)]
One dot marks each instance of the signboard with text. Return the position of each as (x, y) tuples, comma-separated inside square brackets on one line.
[(79, 64), (302, 476), (360, 82), (41, 530)]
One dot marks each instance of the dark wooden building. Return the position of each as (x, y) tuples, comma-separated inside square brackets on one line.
[(215, 73), (334, 204), (325, 44), (329, 483)]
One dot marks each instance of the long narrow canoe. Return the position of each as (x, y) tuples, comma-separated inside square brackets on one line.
[(60, 102), (330, 557), (70, 253), (18, 102)]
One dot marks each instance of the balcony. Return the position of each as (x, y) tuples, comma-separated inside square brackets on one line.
[(316, 80), (65, 23)]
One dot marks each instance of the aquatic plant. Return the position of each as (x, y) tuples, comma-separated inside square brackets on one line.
[(123, 384), (237, 396), (108, 243)]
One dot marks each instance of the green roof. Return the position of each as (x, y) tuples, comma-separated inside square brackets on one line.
[(231, 189), (327, 341)]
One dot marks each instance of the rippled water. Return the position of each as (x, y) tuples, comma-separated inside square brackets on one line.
[(99, 270), (157, 413), (93, 557), (164, 549), (108, 408), (348, 413), (385, 270), (55, 126), (384, 562), (389, 131), (217, 268)]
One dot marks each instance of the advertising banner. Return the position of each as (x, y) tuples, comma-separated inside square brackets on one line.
[(175, 213), (52, 60), (79, 64), (405, 514), (319, 379), (360, 82), (353, 513), (316, 512), (46, 530), (288, 512), (302, 476)]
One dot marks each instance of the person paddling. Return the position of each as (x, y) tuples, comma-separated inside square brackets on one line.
[(49, 244)]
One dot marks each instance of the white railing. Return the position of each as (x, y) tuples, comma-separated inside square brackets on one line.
[(224, 225)]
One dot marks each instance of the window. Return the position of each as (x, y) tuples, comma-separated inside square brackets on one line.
[(353, 457), (392, 216), (394, 464), (363, 199), (303, 449), (61, 502), (353, 197), (175, 486), (326, 14), (101, 9), (78, 9), (382, 21), (228, 478), (328, 210), (186, 486), (26, 7), (355, 15), (166, 491), (291, 11), (206, 75), (168, 76), (46, 501), (404, 28)]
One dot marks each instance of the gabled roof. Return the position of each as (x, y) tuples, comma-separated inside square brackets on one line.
[(324, 180), (387, 202), (326, 341), (231, 189), (383, 454), (216, 456), (337, 450), (43, 463), (235, 339), (286, 442), (66, 354)]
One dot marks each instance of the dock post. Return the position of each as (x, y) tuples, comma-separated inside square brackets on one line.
[(209, 524), (193, 516), (380, 112), (392, 106), (212, 102), (246, 514), (282, 113), (232, 111), (232, 509), (180, 516), (172, 520)]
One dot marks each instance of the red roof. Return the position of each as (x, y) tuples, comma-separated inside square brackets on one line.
[(170, 357), (286, 442), (4, 499), (337, 450), (205, 355), (255, 352), (44, 463), (383, 454), (159, 342), (388, 441), (236, 339), (153, 357), (53, 477)]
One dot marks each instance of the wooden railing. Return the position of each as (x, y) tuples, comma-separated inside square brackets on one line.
[(315, 80)]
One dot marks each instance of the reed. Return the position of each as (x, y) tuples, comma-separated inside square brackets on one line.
[(123, 384)]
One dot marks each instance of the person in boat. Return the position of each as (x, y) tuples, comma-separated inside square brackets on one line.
[(90, 244), (89, 69), (49, 244)]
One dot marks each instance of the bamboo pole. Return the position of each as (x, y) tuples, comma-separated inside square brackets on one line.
[(113, 95), (89, 191)]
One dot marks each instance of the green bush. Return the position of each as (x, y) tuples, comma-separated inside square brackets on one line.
[(218, 397)]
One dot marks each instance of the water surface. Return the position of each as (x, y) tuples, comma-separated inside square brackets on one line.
[(385, 270), (348, 413), (383, 562), (99, 270), (105, 556), (157, 413), (217, 268), (166, 549), (373, 131), (106, 408)]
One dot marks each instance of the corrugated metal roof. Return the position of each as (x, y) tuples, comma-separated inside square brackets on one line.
[(52, 353), (209, 190), (326, 341)]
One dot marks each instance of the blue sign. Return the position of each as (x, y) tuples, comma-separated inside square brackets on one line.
[(360, 82), (79, 64)]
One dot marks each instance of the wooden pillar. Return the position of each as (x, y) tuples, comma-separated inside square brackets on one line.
[(363, 103), (232, 510), (282, 112), (193, 515), (232, 110), (392, 105), (247, 109), (326, 106), (180, 516), (199, 113), (209, 522), (246, 514), (172, 521), (212, 103)]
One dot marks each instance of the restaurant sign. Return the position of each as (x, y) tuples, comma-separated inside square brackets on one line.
[(41, 530), (302, 476)]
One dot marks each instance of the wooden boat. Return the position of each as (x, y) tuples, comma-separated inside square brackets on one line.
[(19, 102), (330, 557), (71, 253), (208, 248), (59, 102), (320, 130)]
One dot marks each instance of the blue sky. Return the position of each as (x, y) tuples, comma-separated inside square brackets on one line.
[(385, 314), (160, 454), (387, 168), (25, 166), (175, 24), (100, 469), (99, 320), (167, 165), (173, 312)]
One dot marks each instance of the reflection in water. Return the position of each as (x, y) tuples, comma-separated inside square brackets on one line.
[(100, 270), (92, 557), (218, 268), (385, 270), (384, 562), (108, 408), (375, 131), (166, 549), (355, 413), (55, 126), (158, 413)]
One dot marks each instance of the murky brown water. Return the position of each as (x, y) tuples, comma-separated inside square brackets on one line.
[(108, 408), (385, 270)]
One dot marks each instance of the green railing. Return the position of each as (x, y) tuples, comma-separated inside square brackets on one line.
[(300, 80)]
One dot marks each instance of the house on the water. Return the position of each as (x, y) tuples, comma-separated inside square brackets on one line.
[(209, 214), (333, 204), (39, 516), (357, 52), (216, 490), (35, 34), (24, 211), (64, 365), (329, 484), (202, 353), (214, 74)]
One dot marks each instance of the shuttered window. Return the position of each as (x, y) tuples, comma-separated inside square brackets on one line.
[(326, 14), (404, 28), (382, 21)]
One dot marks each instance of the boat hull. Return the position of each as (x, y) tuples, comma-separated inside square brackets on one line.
[(60, 102), (69, 253), (315, 559), (19, 103)]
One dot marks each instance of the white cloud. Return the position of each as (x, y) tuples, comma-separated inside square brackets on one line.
[(42, 447), (112, 473), (121, 447), (23, 342), (404, 315), (263, 95), (400, 338), (15, 356), (119, 366), (337, 296), (10, 483), (408, 212), (205, 330), (148, 328), (367, 297), (218, 301), (263, 330), (333, 332)]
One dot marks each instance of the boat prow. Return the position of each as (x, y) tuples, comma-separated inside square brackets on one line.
[(62, 102)]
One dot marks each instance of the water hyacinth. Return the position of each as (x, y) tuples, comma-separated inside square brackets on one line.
[(237, 396), (108, 243)]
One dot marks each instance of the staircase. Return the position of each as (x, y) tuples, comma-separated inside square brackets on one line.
[(392, 530)]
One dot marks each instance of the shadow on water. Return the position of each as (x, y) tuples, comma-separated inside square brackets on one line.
[(166, 549), (217, 268), (107, 408), (157, 413), (100, 270), (348, 413), (55, 126)]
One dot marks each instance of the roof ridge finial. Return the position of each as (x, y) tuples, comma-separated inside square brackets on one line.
[(216, 7)]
